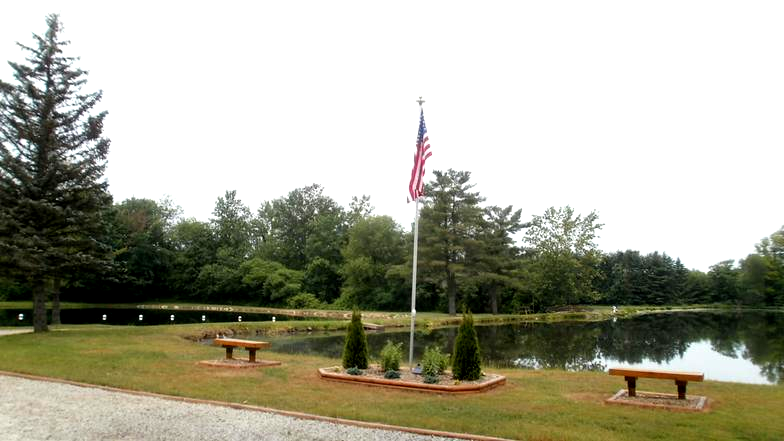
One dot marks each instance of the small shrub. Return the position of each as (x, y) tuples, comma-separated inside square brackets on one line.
[(355, 351), (430, 379), (391, 375), (434, 363), (391, 355), (304, 300), (466, 364), (354, 371)]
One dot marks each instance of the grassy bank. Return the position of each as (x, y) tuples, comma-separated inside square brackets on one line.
[(535, 405)]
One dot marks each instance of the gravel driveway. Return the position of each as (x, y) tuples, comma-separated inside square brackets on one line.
[(41, 410)]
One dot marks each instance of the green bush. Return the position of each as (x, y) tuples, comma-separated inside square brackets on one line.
[(303, 300), (430, 379), (466, 364), (353, 371), (355, 351), (391, 375), (391, 355), (433, 362)]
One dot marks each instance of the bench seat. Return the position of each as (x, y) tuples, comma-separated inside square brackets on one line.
[(250, 345), (681, 378)]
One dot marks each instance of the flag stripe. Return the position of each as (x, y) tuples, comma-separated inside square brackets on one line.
[(417, 184)]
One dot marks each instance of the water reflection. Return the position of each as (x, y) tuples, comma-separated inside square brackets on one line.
[(111, 316), (755, 338)]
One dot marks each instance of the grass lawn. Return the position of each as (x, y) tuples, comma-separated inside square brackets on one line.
[(533, 405)]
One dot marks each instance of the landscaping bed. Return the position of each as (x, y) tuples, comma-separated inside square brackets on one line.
[(374, 376)]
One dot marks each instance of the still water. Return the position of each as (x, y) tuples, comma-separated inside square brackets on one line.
[(110, 316), (744, 347)]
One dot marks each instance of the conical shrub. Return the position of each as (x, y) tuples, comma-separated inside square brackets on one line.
[(466, 362), (355, 351)]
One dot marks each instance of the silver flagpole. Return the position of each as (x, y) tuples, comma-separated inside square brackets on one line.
[(413, 286), (413, 273)]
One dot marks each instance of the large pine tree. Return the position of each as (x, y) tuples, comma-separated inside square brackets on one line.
[(52, 160), (449, 226)]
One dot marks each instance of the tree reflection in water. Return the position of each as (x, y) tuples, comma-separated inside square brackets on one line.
[(754, 336)]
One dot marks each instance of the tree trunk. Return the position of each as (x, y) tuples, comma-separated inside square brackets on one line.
[(56, 301), (493, 299), (451, 292), (39, 306)]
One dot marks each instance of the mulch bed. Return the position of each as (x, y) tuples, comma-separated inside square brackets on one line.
[(374, 376), (655, 400)]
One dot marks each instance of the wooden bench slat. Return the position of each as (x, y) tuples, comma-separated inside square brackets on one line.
[(656, 373), (248, 344)]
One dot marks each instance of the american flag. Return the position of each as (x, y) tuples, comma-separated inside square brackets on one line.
[(417, 184)]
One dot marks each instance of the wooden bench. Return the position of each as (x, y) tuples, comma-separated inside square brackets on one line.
[(681, 378), (249, 345)]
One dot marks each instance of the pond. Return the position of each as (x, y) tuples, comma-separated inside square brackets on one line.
[(131, 316), (745, 347)]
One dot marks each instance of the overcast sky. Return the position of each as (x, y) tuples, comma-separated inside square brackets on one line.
[(666, 117)]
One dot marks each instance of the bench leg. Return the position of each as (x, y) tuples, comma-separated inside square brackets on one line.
[(681, 389), (631, 385), (229, 352), (252, 355)]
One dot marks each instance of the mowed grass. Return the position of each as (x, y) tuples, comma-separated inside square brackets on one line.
[(533, 405)]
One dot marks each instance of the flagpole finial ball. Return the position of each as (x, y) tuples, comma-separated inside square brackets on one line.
[(420, 101)]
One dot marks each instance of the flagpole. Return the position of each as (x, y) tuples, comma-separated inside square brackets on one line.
[(414, 273), (413, 285)]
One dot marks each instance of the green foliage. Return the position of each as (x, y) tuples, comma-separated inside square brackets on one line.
[(231, 225), (304, 300), (430, 379), (448, 226), (355, 351), (434, 362), (466, 362), (354, 371), (271, 282), (301, 226), (375, 244), (724, 282), (53, 198), (493, 255), (391, 354), (629, 278), (565, 258), (391, 375), (322, 278)]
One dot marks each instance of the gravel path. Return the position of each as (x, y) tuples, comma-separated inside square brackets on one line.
[(32, 410)]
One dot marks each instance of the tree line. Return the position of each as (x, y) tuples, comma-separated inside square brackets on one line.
[(61, 234), (304, 250)]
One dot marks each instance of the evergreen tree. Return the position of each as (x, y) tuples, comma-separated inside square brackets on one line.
[(466, 362), (52, 160), (448, 226), (355, 352), (493, 257)]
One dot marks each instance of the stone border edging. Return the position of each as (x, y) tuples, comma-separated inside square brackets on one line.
[(409, 385), (293, 414)]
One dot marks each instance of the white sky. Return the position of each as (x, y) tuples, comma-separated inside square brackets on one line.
[(665, 117)]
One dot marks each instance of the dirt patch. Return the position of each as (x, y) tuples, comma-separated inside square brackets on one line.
[(14, 331), (589, 397), (654, 400), (239, 364)]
